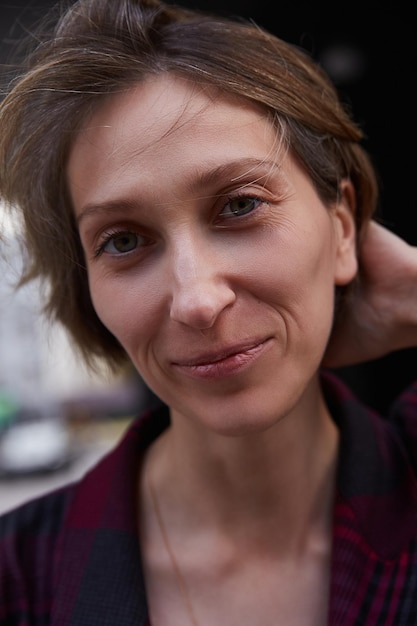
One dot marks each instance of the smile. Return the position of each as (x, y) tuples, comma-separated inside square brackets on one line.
[(224, 363)]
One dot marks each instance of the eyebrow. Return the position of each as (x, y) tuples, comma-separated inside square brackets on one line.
[(249, 170), (259, 168)]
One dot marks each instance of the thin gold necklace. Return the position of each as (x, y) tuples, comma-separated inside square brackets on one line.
[(176, 569)]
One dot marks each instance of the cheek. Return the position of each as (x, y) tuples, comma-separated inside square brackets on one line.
[(296, 266), (299, 281), (128, 312)]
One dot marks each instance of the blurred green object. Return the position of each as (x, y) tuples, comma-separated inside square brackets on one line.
[(8, 408)]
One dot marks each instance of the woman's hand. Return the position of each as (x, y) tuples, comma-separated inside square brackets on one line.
[(380, 315)]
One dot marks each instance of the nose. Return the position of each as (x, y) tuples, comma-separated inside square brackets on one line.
[(200, 290)]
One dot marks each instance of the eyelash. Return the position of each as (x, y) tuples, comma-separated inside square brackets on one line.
[(237, 197), (112, 236)]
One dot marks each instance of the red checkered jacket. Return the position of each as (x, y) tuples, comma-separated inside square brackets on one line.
[(72, 558)]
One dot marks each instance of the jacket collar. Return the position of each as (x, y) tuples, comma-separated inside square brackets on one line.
[(100, 580), (99, 574), (375, 478)]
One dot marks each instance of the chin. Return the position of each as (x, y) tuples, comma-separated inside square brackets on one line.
[(235, 418)]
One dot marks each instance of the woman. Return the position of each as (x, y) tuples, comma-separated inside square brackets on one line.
[(194, 195)]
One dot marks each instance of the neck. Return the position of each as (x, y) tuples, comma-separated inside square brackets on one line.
[(282, 478)]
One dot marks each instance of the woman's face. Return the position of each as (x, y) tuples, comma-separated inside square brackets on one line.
[(210, 256)]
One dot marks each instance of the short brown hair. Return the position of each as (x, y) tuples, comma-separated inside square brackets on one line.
[(99, 47)]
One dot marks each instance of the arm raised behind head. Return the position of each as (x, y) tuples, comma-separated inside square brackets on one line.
[(380, 315)]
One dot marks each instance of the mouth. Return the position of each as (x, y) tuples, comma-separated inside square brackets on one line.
[(221, 363)]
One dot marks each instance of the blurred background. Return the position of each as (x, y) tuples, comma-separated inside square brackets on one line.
[(56, 419)]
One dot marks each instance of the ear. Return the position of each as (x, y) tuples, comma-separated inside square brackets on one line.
[(346, 263)]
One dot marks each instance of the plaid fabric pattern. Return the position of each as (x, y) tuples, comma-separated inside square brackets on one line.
[(71, 558)]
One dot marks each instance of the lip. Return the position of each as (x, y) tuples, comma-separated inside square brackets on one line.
[(225, 362)]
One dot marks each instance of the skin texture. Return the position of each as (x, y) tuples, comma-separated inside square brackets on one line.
[(213, 261), (205, 283), (381, 314)]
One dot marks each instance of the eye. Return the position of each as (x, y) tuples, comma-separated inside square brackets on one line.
[(239, 206), (119, 243)]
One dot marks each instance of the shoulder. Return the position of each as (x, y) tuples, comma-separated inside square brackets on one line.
[(394, 432), (49, 545), (403, 416), (29, 536), (43, 514)]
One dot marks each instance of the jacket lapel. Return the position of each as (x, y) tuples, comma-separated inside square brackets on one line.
[(375, 518), (99, 579)]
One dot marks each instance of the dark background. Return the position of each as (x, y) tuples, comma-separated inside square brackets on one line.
[(369, 49)]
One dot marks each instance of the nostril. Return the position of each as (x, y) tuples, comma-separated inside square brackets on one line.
[(200, 307), (193, 311)]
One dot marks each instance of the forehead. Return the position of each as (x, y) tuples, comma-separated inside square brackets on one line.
[(162, 127), (164, 104)]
